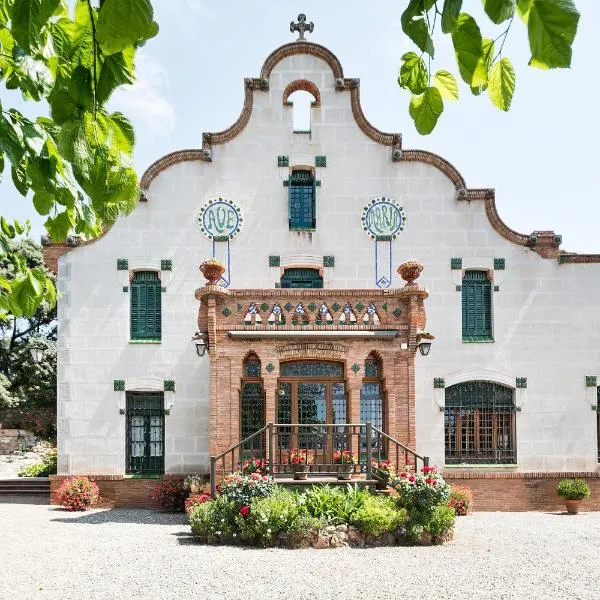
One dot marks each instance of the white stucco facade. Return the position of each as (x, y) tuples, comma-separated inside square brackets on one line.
[(545, 314)]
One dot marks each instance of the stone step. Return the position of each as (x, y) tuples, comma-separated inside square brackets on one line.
[(30, 485)]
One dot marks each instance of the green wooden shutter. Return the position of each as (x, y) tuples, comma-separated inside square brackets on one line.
[(301, 200), (301, 278), (146, 316), (476, 306)]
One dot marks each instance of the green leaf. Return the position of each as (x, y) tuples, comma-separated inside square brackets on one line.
[(122, 23), (28, 18), (502, 84), (468, 47), (552, 25), (499, 10), (80, 88), (523, 8), (413, 73), (117, 69), (7, 228), (60, 226), (11, 140), (43, 202), (414, 25), (445, 82), (485, 62), (426, 109), (121, 135), (450, 13)]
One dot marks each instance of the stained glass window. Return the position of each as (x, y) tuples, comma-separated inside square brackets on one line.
[(252, 368), (252, 413), (312, 369)]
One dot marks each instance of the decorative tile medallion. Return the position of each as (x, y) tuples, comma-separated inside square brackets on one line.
[(125, 288), (122, 264), (220, 218), (169, 385), (335, 307), (239, 307), (459, 288), (496, 288), (499, 264), (329, 261), (166, 264), (226, 312), (359, 306), (384, 306), (320, 161), (274, 261), (283, 161), (439, 382), (356, 368), (119, 385), (591, 381), (270, 367), (383, 216), (456, 264), (397, 312), (264, 307), (288, 307), (521, 382), (312, 307)]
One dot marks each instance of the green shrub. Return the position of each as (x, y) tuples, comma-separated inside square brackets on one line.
[(218, 517), (379, 515), (47, 466), (421, 491), (573, 489), (441, 521), (269, 516), (332, 505), (241, 488), (461, 500)]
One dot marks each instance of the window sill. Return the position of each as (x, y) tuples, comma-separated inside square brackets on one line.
[(145, 341), (478, 340), (303, 228), (143, 476)]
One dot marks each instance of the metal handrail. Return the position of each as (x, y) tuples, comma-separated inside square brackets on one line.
[(406, 449)]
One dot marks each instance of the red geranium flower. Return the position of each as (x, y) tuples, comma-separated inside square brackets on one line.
[(434, 482), (411, 478), (244, 510), (403, 474)]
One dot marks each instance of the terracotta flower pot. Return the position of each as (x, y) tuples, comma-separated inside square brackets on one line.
[(212, 270), (410, 270), (301, 472), (345, 471), (572, 506)]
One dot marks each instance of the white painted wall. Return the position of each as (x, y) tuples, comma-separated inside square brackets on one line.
[(546, 325)]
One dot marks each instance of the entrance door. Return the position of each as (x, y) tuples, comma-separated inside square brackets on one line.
[(312, 393), (145, 433)]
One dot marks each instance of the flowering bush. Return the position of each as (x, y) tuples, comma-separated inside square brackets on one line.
[(344, 457), (421, 491), (461, 500), (78, 493), (300, 456), (195, 500), (240, 488), (254, 465), (193, 479), (217, 518), (383, 469), (169, 494)]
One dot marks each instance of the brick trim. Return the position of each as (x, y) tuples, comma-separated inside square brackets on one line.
[(458, 474), (305, 85)]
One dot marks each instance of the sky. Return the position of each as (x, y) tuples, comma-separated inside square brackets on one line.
[(540, 156)]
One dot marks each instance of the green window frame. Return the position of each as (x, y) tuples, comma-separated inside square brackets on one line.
[(302, 200), (145, 301), (301, 278), (476, 307), (145, 433)]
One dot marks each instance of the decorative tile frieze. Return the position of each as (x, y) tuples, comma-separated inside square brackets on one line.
[(220, 238), (166, 264), (283, 161), (383, 238), (499, 264), (591, 381), (122, 264), (119, 385), (439, 382), (359, 306), (274, 260), (288, 307), (169, 385), (356, 368), (456, 264), (329, 261), (320, 161), (521, 382), (312, 307), (270, 367)]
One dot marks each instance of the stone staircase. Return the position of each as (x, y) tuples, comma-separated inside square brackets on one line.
[(25, 490)]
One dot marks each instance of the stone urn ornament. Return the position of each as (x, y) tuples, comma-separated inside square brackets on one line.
[(410, 271), (212, 270)]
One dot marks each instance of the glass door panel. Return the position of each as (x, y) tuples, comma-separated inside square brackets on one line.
[(312, 409)]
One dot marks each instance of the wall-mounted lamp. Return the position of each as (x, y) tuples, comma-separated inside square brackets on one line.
[(201, 340), (37, 352), (424, 342), (424, 348)]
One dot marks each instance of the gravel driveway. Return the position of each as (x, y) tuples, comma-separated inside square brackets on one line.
[(46, 552)]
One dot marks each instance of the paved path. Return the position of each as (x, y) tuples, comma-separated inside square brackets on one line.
[(46, 553)]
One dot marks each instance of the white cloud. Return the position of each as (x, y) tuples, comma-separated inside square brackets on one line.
[(145, 102)]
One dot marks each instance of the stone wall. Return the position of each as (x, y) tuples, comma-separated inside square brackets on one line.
[(12, 440)]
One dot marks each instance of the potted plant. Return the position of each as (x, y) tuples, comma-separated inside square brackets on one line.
[(383, 471), (193, 482), (573, 491), (346, 461), (300, 459)]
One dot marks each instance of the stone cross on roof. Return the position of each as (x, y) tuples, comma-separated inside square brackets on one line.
[(301, 26)]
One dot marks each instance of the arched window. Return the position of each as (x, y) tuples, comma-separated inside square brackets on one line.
[(479, 423), (371, 394), (302, 102), (252, 405)]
